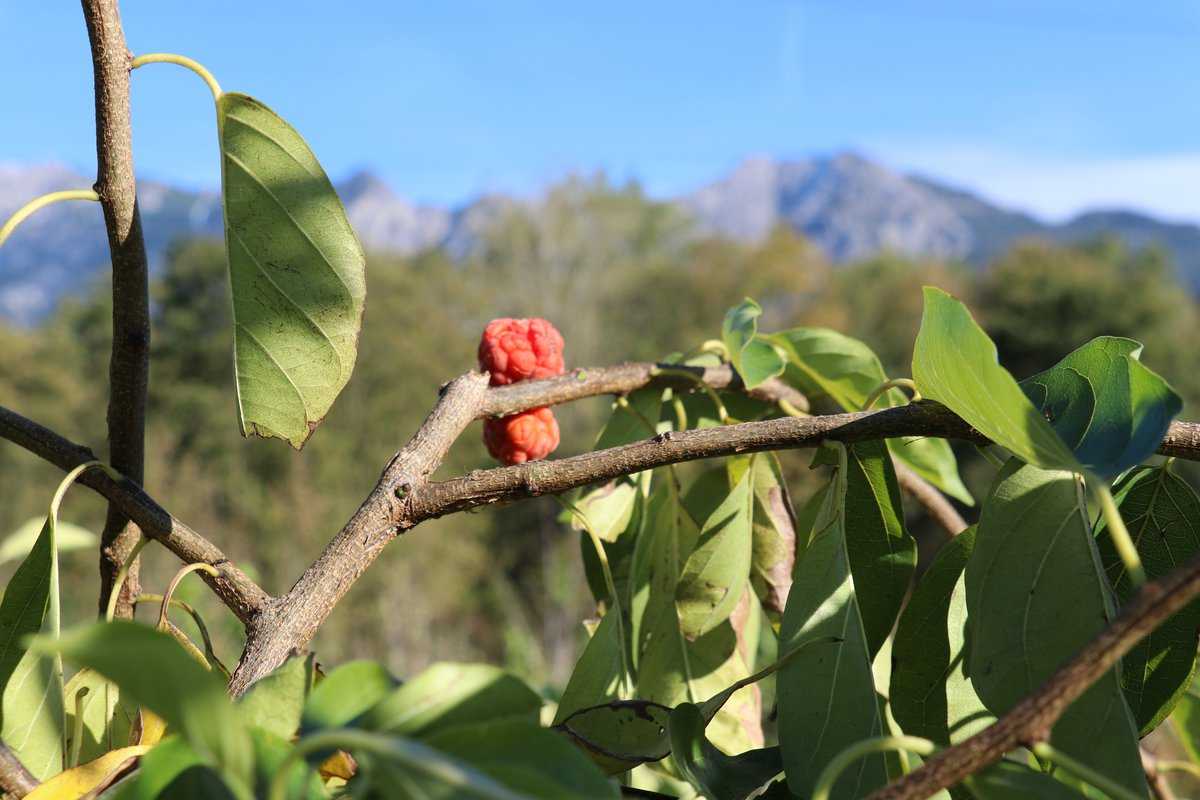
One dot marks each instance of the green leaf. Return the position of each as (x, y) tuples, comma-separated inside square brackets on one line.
[(622, 734), (276, 702), (1110, 409), (1162, 514), (931, 693), (296, 270), (882, 555), (449, 694), (107, 716), (402, 769), (774, 551), (152, 670), (1008, 780), (271, 752), (828, 689), (825, 362), (1036, 595), (68, 537), (535, 761), (716, 571), (754, 359), (345, 694), (955, 363), (712, 773), (597, 676), (1185, 721), (670, 668), (31, 712), (172, 769)]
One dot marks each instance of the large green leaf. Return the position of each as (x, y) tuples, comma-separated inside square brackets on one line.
[(1036, 595), (1105, 404), (712, 773), (31, 707), (715, 573), (173, 770), (345, 694), (598, 673), (1008, 780), (394, 768), (670, 668), (449, 694), (955, 363), (535, 761), (271, 754), (931, 693), (152, 670), (754, 358), (296, 270), (826, 692), (774, 551), (882, 555), (107, 718), (825, 362), (621, 734), (1162, 513), (276, 702)]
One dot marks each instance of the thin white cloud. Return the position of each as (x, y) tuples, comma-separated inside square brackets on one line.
[(1056, 188)]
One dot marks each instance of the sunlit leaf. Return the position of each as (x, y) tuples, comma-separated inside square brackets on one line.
[(68, 537), (955, 363), (275, 702), (774, 553), (598, 673), (296, 270), (715, 573), (1162, 514), (1036, 595), (754, 359), (828, 688), (108, 719), (622, 734), (77, 782), (344, 694)]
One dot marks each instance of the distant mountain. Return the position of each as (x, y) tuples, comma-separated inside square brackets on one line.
[(849, 206)]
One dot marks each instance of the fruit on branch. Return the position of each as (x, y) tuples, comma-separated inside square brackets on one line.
[(514, 350), (527, 436)]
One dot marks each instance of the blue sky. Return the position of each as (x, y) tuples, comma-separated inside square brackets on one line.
[(1047, 105)]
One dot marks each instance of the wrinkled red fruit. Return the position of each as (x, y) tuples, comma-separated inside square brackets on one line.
[(528, 436), (514, 350)]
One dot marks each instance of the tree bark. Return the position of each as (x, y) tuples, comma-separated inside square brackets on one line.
[(130, 361)]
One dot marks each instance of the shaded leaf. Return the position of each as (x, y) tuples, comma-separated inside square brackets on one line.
[(754, 359), (1008, 780), (598, 673), (1036, 595), (276, 702), (173, 770), (1162, 514), (449, 694), (955, 363), (534, 761), (825, 362), (296, 272), (931, 693), (108, 720), (712, 773), (271, 753), (622, 734), (402, 769), (1109, 408), (829, 688), (716, 571), (774, 550)]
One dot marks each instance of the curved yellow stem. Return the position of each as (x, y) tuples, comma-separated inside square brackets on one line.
[(182, 61), (23, 213)]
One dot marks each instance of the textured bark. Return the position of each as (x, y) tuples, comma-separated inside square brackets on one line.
[(130, 361), (15, 780)]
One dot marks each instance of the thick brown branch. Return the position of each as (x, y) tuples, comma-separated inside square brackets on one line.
[(1032, 719), (129, 366), (15, 780), (241, 594)]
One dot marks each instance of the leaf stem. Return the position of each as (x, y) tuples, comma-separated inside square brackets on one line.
[(77, 728), (180, 575), (111, 610), (210, 652), (1119, 533), (1178, 766), (182, 61), (838, 764), (722, 414), (23, 213), (894, 383), (1116, 791)]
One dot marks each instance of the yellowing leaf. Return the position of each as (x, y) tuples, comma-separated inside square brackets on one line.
[(75, 783)]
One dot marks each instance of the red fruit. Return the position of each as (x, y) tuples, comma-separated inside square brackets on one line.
[(528, 436), (520, 349)]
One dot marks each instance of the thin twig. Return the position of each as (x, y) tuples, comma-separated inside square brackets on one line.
[(129, 367), (1031, 720)]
